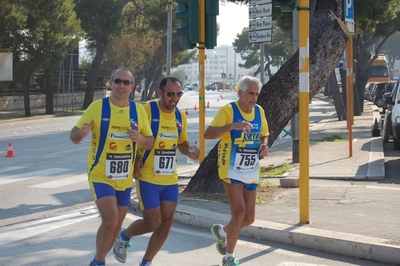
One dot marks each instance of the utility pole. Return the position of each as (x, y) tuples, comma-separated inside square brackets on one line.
[(295, 119), (304, 99), (169, 37)]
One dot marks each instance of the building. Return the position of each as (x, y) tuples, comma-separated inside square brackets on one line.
[(221, 59)]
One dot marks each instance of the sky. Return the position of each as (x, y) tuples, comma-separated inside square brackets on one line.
[(232, 19)]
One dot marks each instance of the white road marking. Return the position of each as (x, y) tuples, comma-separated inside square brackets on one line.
[(10, 168), (62, 182), (31, 175), (30, 229)]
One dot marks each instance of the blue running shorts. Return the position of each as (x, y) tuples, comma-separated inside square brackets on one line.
[(251, 186), (150, 195), (101, 190)]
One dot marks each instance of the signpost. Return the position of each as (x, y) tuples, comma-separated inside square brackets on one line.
[(349, 20), (260, 36), (260, 21)]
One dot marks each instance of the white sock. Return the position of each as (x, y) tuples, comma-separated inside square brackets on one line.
[(228, 255), (221, 232)]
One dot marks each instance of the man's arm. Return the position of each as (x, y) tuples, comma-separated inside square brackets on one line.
[(217, 132)]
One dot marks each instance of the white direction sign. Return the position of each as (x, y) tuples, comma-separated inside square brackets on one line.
[(260, 11), (260, 36), (260, 24), (259, 2)]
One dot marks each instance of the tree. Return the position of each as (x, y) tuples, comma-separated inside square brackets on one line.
[(100, 20), (328, 37), (375, 21), (39, 34), (391, 49), (276, 52)]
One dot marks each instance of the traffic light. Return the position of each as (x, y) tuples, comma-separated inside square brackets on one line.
[(212, 10), (285, 5), (188, 14)]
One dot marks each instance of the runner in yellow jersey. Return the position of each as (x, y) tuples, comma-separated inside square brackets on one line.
[(243, 131), (157, 177), (117, 126)]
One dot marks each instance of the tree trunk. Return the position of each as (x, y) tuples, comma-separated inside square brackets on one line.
[(49, 91), (27, 103), (101, 45), (280, 95), (337, 98)]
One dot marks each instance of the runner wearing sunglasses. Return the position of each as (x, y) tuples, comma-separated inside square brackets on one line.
[(117, 125), (156, 174)]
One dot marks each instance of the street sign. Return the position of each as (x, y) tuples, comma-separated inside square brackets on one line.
[(260, 24), (259, 2), (260, 11), (349, 15), (260, 36)]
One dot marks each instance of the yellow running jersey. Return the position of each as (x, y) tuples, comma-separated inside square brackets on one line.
[(160, 165), (115, 161), (238, 151)]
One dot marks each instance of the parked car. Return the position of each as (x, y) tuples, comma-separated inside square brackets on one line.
[(377, 97), (391, 122), (210, 86), (194, 86), (388, 91)]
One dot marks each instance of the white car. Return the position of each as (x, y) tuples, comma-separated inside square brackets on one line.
[(194, 86)]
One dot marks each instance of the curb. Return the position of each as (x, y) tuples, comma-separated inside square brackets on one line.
[(345, 244)]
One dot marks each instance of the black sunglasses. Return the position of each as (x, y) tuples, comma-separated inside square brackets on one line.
[(172, 94), (125, 81)]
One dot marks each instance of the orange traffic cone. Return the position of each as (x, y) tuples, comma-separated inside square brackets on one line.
[(10, 152), (195, 107), (187, 112), (208, 104), (376, 132)]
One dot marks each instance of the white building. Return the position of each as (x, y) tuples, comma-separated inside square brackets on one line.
[(221, 59)]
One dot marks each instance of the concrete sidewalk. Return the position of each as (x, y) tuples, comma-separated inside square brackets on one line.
[(348, 213)]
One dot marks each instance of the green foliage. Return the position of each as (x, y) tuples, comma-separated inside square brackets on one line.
[(371, 16), (333, 138), (274, 170), (278, 50), (38, 32)]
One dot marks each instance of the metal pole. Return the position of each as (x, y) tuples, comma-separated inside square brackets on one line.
[(304, 93), (169, 37), (202, 109), (262, 72), (350, 101), (294, 123)]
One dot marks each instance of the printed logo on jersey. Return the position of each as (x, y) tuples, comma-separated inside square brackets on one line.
[(113, 146), (161, 145), (105, 119), (118, 136), (119, 128), (168, 136), (251, 136), (128, 147), (168, 128)]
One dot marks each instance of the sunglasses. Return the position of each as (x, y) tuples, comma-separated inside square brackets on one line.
[(125, 81), (172, 94)]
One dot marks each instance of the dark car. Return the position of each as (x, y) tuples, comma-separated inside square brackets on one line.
[(377, 97), (388, 91), (210, 86)]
